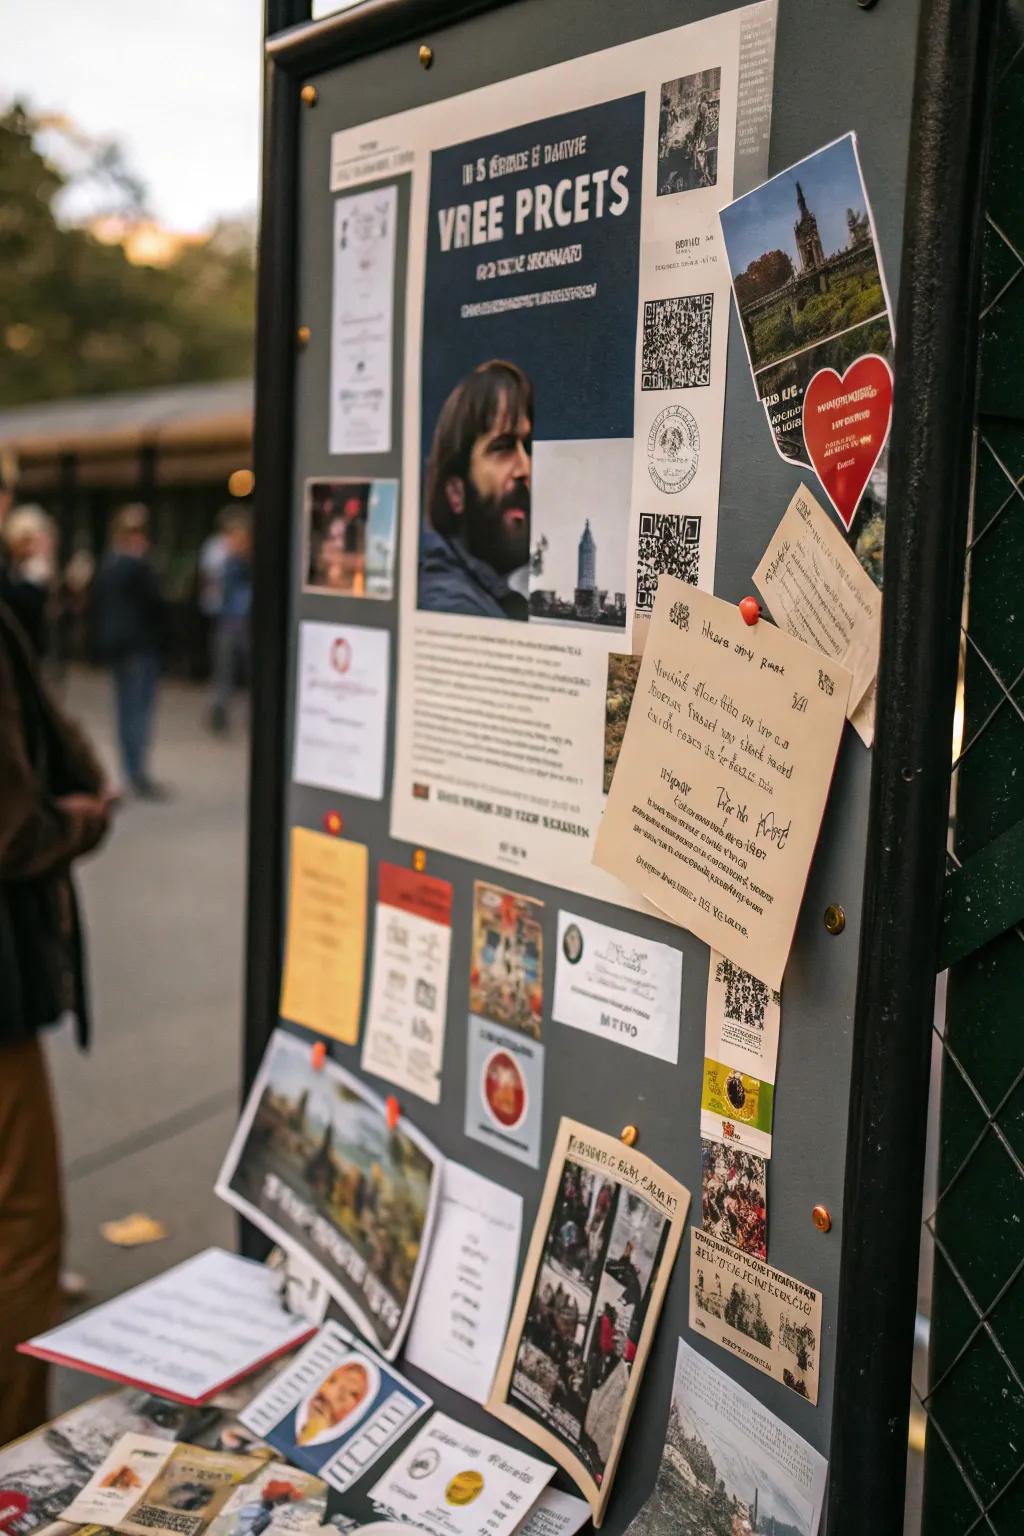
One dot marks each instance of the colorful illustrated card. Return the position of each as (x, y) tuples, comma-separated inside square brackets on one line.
[(335, 1409), (603, 1246), (724, 774), (728, 1464), (504, 1090), (756, 1312), (278, 1501), (151, 1487), (816, 319), (314, 1164), (454, 1481), (506, 979), (742, 1020), (618, 986), (819, 593), (736, 1109), (734, 1196), (459, 1326), (405, 1021), (322, 978), (350, 534)]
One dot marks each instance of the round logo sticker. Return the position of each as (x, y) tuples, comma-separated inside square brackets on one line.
[(572, 944), (425, 1462), (464, 1487), (504, 1090), (673, 449)]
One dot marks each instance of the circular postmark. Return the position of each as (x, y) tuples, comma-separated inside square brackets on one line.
[(673, 449), (504, 1090), (426, 1461)]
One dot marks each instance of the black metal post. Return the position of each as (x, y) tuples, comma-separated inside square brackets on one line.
[(929, 485)]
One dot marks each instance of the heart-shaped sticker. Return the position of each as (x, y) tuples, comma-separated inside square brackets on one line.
[(846, 423)]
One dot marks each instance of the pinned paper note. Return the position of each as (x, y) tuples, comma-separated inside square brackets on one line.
[(322, 986), (818, 592), (721, 783)]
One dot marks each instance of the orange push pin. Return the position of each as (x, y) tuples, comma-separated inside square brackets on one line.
[(750, 609), (318, 1055), (333, 823), (419, 860), (392, 1110)]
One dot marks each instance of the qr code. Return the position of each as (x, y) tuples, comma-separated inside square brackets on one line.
[(669, 546), (746, 998), (677, 342)]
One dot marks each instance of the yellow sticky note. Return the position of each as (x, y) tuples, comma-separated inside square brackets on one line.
[(322, 986)]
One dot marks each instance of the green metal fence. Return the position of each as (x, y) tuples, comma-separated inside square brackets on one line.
[(974, 1453)]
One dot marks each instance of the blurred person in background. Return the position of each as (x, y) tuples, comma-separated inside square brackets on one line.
[(29, 567), (231, 634), (130, 626), (54, 808)]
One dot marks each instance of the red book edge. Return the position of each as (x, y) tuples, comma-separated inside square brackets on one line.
[(157, 1391)]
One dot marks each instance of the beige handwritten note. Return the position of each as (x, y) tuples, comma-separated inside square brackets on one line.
[(819, 592), (323, 964), (723, 775)]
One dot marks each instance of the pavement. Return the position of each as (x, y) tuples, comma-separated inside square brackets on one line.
[(147, 1114)]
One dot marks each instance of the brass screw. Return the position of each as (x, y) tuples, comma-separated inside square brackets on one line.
[(303, 335), (426, 55), (629, 1134), (419, 861), (310, 95), (835, 919), (822, 1218)]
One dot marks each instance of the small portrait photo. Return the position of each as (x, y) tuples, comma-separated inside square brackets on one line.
[(350, 528), (506, 980), (688, 132), (338, 1402)]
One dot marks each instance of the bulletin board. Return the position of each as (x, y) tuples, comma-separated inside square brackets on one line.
[(365, 66)]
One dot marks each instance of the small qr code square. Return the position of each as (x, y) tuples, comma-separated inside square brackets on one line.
[(669, 546), (746, 998), (677, 342)]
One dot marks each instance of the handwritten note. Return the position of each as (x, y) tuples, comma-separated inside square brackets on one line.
[(819, 592), (323, 964), (723, 776)]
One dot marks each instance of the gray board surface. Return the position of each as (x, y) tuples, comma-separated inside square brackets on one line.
[(838, 67)]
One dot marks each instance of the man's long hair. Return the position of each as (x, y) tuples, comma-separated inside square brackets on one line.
[(470, 411)]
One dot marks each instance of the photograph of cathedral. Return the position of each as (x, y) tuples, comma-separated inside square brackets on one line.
[(803, 257)]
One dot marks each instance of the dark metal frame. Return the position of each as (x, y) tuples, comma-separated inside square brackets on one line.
[(929, 475)]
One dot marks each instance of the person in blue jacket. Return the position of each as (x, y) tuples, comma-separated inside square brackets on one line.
[(476, 523)]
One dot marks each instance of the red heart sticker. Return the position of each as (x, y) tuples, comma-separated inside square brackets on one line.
[(846, 423)]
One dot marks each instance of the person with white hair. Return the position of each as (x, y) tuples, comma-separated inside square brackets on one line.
[(29, 539)]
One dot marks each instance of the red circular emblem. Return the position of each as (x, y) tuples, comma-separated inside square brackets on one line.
[(341, 654), (504, 1089)]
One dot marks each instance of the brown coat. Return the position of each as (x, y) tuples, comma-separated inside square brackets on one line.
[(43, 756)]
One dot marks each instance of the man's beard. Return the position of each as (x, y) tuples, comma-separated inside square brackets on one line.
[(502, 542)]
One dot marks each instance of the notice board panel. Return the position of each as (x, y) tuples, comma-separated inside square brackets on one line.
[(816, 98)]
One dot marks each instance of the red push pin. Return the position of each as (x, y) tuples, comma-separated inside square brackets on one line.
[(333, 823), (318, 1055), (750, 609), (392, 1110)]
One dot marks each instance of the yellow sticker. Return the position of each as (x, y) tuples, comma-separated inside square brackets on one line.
[(464, 1487)]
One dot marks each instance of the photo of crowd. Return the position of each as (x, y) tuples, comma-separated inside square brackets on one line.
[(350, 536), (733, 1196), (506, 980), (315, 1162), (598, 1268), (688, 132)]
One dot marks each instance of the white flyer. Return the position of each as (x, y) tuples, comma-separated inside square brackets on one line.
[(459, 1325), (457, 1482), (555, 1514), (404, 1037), (341, 711), (363, 321), (618, 986), (742, 1020), (187, 1334), (562, 226)]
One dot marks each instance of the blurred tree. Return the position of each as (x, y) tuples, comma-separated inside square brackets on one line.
[(763, 276), (77, 317)]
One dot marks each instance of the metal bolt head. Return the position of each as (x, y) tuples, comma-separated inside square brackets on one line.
[(629, 1134), (822, 1218), (835, 919), (309, 95), (303, 335), (419, 861), (426, 55)]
